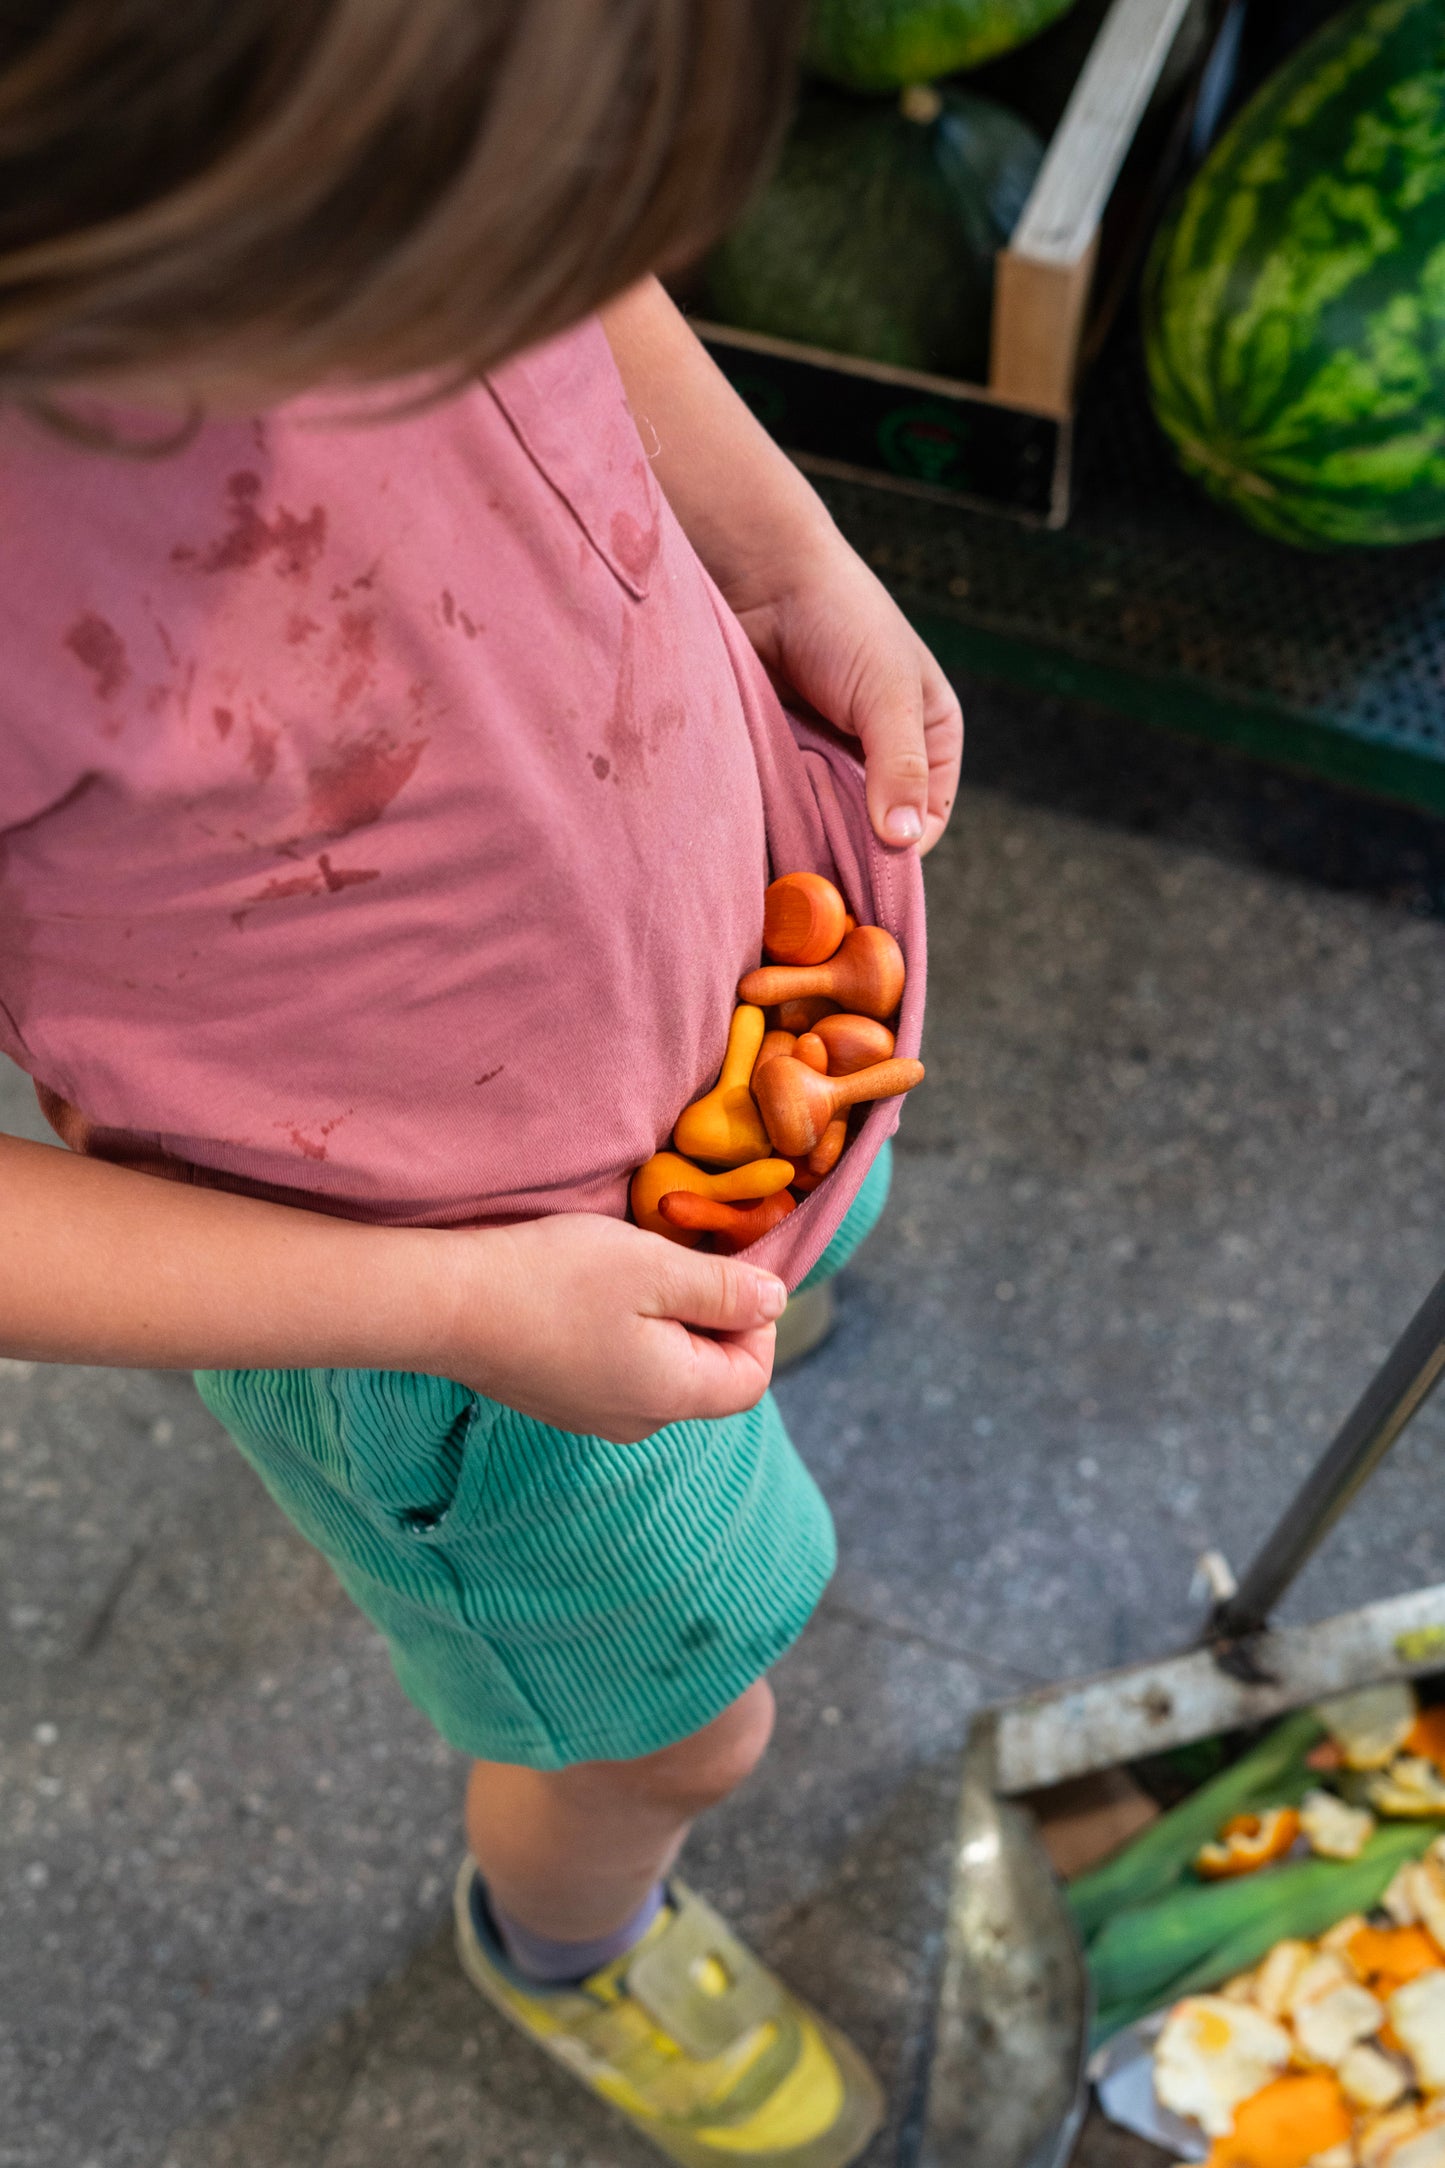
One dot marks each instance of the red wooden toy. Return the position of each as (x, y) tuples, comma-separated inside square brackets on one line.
[(667, 1171), (803, 1014), (734, 1225), (852, 1042), (804, 919), (828, 1150), (866, 976), (797, 1104), (808, 1049)]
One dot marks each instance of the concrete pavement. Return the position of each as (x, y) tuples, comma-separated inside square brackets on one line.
[(1175, 1179)]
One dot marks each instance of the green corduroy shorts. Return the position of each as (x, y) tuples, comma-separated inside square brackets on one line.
[(549, 1598)]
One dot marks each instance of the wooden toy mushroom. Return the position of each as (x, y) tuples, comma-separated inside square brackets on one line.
[(797, 1104), (802, 1014), (734, 1225), (804, 919), (828, 1150), (866, 975), (809, 1049), (668, 1171), (852, 1042), (724, 1126)]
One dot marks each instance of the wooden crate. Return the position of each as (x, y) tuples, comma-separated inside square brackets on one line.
[(1005, 445)]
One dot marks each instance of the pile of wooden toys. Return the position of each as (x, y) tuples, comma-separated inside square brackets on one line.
[(775, 1123)]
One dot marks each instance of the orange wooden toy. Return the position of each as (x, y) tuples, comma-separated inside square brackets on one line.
[(852, 1042), (774, 1042), (803, 1014), (866, 975), (797, 1104), (724, 1126), (734, 1225), (804, 919), (828, 1150), (809, 1049), (668, 1171)]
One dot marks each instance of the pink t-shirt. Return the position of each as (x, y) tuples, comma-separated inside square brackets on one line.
[(385, 807)]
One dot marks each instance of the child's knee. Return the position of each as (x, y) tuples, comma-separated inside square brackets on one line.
[(700, 1771)]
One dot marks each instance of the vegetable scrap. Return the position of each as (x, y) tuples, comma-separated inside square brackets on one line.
[(1332, 1829), (1247, 1842), (1285, 1976), (775, 1123)]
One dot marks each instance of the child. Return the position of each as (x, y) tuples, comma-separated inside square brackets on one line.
[(386, 794)]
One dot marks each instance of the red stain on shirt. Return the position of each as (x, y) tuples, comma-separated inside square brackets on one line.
[(99, 648), (452, 615), (300, 627), (633, 545), (294, 543), (295, 884), (261, 754), (325, 881), (356, 646), (313, 1147), (309, 1147), (358, 779), (344, 876)]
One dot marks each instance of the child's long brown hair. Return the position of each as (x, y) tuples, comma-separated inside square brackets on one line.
[(302, 191)]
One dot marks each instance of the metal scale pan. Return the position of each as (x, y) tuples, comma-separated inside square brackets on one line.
[(1007, 2085)]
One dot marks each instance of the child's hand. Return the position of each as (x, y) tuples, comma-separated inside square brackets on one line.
[(584, 1323), (824, 625)]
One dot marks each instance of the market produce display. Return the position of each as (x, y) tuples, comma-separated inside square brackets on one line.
[(877, 234), (1295, 305), (1286, 1975), (885, 44), (775, 1124)]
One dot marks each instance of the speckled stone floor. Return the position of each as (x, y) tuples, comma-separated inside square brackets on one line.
[(1175, 1179)]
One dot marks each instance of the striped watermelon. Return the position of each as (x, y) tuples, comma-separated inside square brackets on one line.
[(1295, 305), (887, 44)]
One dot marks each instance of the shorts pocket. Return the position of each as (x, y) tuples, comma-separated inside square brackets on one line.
[(417, 1450)]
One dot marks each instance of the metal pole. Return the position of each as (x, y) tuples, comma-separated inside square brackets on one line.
[(1400, 1387)]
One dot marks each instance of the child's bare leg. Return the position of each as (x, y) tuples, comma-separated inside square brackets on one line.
[(572, 1854)]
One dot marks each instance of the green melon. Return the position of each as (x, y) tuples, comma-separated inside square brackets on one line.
[(878, 232), (885, 44), (1295, 305)]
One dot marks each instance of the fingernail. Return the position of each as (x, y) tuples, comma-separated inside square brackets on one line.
[(903, 825), (772, 1297)]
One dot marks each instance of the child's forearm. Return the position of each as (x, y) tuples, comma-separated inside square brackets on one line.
[(102, 1265), (579, 1320)]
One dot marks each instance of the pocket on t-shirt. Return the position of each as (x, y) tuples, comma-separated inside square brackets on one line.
[(565, 403)]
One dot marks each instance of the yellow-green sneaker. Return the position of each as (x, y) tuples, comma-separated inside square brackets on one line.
[(694, 2040)]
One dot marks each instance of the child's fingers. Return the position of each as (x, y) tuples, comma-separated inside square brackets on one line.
[(888, 717), (718, 1293), (728, 1375), (943, 734)]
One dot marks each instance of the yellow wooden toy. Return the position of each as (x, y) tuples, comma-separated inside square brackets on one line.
[(724, 1126), (668, 1171)]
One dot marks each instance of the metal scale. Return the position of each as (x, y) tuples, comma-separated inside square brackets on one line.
[(1007, 2084)]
